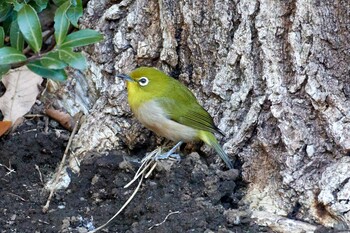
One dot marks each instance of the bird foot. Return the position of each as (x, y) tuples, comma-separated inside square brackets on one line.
[(170, 153), (167, 156)]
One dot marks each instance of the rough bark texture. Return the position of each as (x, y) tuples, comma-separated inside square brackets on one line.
[(273, 74)]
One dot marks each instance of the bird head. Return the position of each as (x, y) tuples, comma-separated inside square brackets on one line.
[(145, 79), (145, 83)]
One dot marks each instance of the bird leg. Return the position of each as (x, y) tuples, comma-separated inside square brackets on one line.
[(170, 153)]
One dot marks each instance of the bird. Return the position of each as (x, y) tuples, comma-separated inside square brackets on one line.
[(167, 107)]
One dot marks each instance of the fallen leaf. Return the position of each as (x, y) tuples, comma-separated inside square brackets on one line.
[(22, 88), (4, 127), (61, 117)]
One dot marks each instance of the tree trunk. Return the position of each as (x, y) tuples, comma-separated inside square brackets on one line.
[(273, 74)]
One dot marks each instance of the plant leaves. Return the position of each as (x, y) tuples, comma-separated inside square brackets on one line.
[(9, 55), (75, 60), (4, 69), (2, 36), (75, 2), (16, 37), (30, 27), (17, 6), (22, 88), (74, 12), (52, 61), (38, 68), (61, 23), (59, 2), (40, 5), (82, 38), (5, 9)]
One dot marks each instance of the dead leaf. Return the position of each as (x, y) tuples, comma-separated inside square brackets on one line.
[(22, 88), (61, 117), (4, 127)]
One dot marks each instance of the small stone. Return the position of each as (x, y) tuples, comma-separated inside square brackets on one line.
[(94, 179), (13, 217), (310, 150)]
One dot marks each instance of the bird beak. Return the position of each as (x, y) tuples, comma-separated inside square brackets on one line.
[(125, 77)]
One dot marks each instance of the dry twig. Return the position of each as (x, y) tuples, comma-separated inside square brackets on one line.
[(146, 168), (15, 195), (60, 168), (122, 208), (8, 168), (40, 175)]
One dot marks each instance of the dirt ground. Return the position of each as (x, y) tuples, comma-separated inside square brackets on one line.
[(190, 196)]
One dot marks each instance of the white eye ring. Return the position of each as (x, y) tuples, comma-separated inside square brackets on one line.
[(143, 81)]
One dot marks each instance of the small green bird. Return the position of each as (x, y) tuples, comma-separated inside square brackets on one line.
[(168, 108)]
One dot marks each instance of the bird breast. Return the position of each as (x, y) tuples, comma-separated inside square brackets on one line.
[(152, 115)]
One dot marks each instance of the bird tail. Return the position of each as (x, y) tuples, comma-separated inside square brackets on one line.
[(210, 140)]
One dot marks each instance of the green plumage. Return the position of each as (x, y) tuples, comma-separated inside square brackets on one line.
[(171, 102), (182, 106)]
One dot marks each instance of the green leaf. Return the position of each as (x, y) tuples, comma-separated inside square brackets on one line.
[(40, 5), (75, 60), (17, 6), (2, 36), (16, 37), (82, 38), (5, 10), (61, 23), (57, 75), (74, 2), (30, 27), (74, 12), (52, 61), (59, 2), (4, 69), (9, 55)]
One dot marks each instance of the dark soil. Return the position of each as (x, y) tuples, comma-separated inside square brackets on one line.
[(201, 198)]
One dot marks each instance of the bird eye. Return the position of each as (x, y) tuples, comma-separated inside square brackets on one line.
[(143, 81)]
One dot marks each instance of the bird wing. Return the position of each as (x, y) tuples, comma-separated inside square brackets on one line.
[(182, 106)]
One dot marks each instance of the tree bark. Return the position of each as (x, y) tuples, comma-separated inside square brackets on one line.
[(273, 74)]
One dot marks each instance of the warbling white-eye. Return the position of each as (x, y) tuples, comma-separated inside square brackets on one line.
[(168, 108)]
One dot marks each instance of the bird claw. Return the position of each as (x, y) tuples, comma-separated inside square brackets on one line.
[(167, 156), (170, 153)]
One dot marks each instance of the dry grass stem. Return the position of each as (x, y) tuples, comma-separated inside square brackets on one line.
[(40, 175), (60, 168), (15, 195), (147, 166), (8, 168), (146, 162), (122, 208)]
